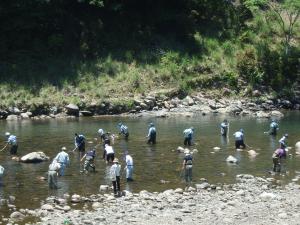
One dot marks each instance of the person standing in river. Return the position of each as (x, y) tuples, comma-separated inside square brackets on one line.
[(129, 167), (224, 128), (89, 160), (239, 139), (54, 167), (277, 157), (80, 144), (109, 153), (283, 142), (63, 159), (12, 141), (115, 172), (151, 134), (123, 130), (273, 128), (187, 166), (188, 136)]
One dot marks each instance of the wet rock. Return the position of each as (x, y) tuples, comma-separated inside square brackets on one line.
[(231, 159), (216, 148), (12, 117), (252, 153), (17, 216), (180, 149), (11, 198), (34, 157), (47, 207), (75, 198), (256, 93), (72, 109), (276, 113)]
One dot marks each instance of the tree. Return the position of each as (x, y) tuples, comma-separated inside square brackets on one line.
[(286, 15)]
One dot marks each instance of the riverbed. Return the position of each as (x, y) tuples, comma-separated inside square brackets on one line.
[(157, 167)]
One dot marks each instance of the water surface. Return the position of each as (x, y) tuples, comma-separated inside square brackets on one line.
[(152, 163)]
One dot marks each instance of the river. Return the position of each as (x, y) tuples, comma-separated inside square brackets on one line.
[(152, 164)]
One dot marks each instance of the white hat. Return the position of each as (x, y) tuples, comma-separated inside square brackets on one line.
[(7, 133), (63, 148), (116, 160)]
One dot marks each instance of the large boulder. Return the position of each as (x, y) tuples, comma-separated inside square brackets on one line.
[(276, 113), (12, 117), (34, 157), (72, 109)]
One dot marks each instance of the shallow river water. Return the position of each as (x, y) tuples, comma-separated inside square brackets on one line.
[(152, 164)]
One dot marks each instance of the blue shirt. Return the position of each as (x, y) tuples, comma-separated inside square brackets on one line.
[(152, 131), (79, 140), (239, 136), (123, 129), (62, 158), (188, 133), (12, 140)]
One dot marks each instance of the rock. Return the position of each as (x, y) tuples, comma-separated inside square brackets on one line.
[(283, 215), (276, 113), (66, 208), (256, 93), (96, 205), (189, 100), (103, 188), (216, 148), (12, 117), (11, 198), (204, 185), (297, 148), (75, 198), (231, 159), (34, 157), (24, 116), (17, 216), (267, 196), (180, 149), (47, 207), (86, 113), (178, 190), (72, 109), (252, 153), (262, 114), (14, 110)]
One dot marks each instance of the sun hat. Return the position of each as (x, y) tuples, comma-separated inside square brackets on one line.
[(286, 135), (116, 160), (7, 133), (63, 148)]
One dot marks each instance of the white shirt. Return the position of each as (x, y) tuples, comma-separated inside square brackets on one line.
[(1, 170), (115, 170), (54, 166), (62, 158), (109, 149), (12, 140), (238, 136), (129, 160)]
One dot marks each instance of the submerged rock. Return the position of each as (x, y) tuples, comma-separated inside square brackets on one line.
[(231, 159), (34, 157)]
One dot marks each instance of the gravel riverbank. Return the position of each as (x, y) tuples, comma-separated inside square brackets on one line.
[(252, 200)]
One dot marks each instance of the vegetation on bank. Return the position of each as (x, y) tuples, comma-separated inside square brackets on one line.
[(59, 52)]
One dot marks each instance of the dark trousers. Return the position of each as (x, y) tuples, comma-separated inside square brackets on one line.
[(187, 141), (116, 185), (152, 139), (13, 149), (110, 157), (240, 143), (276, 165)]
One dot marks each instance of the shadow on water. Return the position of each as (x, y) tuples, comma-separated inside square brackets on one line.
[(156, 167)]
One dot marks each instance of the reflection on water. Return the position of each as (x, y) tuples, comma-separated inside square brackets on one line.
[(156, 167)]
